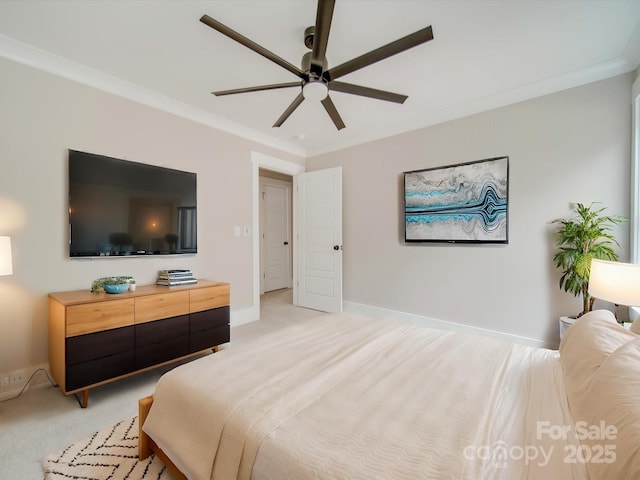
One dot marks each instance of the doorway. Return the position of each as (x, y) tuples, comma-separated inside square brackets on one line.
[(276, 234), (260, 161), (317, 232)]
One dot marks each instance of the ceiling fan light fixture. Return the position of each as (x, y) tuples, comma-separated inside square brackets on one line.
[(315, 90), (315, 74)]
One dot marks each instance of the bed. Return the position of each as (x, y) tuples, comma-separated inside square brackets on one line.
[(349, 397)]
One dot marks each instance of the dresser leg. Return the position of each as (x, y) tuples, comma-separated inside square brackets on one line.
[(84, 403)]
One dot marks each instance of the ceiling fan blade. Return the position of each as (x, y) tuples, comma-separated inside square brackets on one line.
[(386, 51), (321, 35), (232, 34), (367, 92), (295, 104), (260, 88), (328, 105)]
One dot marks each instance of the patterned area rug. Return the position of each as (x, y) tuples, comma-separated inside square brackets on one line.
[(110, 454)]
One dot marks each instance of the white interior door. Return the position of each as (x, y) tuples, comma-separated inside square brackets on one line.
[(318, 248), (275, 235)]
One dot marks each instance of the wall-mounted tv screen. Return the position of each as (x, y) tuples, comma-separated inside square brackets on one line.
[(120, 208), (464, 203)]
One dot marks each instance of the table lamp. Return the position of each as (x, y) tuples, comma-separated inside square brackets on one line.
[(6, 264), (615, 282)]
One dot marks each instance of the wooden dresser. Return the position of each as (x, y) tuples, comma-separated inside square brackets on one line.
[(96, 338)]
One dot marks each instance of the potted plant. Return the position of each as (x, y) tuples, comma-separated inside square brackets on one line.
[(580, 239), (111, 284)]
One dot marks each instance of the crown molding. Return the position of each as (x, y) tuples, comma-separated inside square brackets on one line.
[(612, 68), (42, 60), (48, 62)]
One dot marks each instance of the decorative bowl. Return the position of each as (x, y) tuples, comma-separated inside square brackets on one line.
[(118, 288)]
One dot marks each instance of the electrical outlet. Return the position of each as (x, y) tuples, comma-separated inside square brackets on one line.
[(4, 381), (17, 378)]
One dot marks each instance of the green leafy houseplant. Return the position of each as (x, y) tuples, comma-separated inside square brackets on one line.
[(580, 239), (96, 285)]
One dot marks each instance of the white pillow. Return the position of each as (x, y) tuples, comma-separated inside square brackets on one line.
[(601, 366), (610, 410), (585, 346)]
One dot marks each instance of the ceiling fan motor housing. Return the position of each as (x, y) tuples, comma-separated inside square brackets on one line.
[(309, 33), (305, 64)]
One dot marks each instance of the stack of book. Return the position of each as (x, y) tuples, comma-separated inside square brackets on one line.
[(172, 278)]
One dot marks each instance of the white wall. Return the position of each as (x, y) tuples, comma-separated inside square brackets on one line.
[(573, 146), (41, 116)]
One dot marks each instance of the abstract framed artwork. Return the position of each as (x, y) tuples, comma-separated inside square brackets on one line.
[(464, 203)]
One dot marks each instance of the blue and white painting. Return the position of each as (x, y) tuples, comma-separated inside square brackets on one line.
[(460, 203)]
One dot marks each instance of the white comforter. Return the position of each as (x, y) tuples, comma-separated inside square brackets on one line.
[(347, 397)]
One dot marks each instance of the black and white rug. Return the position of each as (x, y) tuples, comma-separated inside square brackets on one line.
[(110, 454)]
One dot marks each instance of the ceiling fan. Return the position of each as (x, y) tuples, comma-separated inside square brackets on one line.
[(316, 79)]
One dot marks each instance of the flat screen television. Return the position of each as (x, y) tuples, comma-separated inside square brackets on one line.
[(463, 203), (122, 208)]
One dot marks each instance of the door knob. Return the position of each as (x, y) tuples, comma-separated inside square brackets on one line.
[(337, 247)]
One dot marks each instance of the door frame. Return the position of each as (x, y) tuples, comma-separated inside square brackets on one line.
[(258, 161), (288, 187)]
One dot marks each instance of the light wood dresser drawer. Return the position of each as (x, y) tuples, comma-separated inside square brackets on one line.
[(155, 307), (95, 317), (208, 298)]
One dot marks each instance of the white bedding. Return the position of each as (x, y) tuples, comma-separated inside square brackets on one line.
[(354, 398)]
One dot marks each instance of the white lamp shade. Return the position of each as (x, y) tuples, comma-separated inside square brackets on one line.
[(615, 282), (6, 264)]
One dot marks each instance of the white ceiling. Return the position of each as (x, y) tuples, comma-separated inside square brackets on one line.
[(485, 54)]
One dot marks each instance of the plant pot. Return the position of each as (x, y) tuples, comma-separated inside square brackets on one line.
[(565, 323), (119, 288)]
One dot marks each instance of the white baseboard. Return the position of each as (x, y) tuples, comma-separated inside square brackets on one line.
[(245, 315), (379, 312)]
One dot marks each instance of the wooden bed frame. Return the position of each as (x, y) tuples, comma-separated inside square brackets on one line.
[(146, 445)]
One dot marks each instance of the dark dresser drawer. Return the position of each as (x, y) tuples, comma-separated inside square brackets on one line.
[(94, 371), (206, 320), (160, 331), (97, 345), (162, 352), (209, 338)]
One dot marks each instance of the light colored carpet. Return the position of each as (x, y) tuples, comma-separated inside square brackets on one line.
[(43, 421), (111, 453)]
